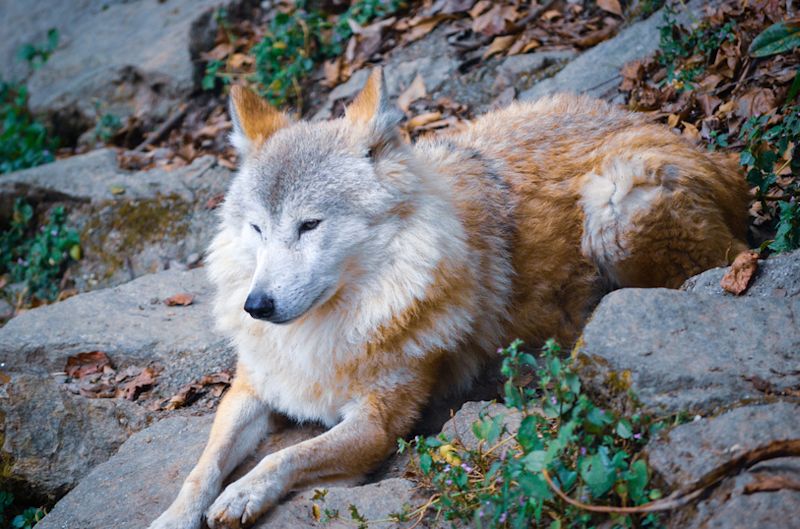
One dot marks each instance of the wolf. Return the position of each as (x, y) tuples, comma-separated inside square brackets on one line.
[(359, 275)]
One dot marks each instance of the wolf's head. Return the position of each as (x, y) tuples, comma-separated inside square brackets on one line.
[(314, 203)]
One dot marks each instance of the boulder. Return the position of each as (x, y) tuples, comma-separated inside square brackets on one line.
[(596, 71), (689, 451), (679, 351), (778, 276), (143, 73), (131, 223), (131, 323), (53, 438), (141, 480)]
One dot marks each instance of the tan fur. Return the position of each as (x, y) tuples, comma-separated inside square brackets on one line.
[(511, 228), (258, 119)]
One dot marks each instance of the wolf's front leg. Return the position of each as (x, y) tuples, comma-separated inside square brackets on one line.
[(366, 435), (242, 420)]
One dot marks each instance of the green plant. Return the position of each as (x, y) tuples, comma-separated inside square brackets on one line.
[(38, 257), (24, 141), (295, 42), (25, 520), (35, 55), (106, 127), (677, 44), (772, 146), (778, 38), (29, 517), (592, 454)]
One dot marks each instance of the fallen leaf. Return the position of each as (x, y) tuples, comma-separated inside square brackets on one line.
[(673, 120), (738, 277), (612, 6), (179, 300), (690, 131), (131, 389), (84, 364), (499, 45), (416, 90), (423, 119), (215, 201)]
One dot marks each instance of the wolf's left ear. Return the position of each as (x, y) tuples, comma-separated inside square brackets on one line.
[(371, 109), (254, 120)]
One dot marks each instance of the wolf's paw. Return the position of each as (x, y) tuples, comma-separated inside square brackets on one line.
[(242, 502), (172, 520)]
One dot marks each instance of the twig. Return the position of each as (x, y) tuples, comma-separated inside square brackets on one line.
[(680, 497), (165, 127)]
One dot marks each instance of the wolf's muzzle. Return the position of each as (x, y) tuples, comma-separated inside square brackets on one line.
[(259, 306)]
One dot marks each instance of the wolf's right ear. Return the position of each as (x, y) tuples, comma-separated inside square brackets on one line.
[(254, 120)]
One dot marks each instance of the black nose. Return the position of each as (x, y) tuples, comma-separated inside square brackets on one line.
[(259, 306)]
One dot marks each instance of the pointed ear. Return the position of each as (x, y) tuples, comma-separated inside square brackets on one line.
[(371, 109), (254, 120)]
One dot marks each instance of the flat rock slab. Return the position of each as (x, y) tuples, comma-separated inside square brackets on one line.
[(596, 71), (778, 276), (690, 451), (690, 352), (130, 223), (131, 323), (136, 58), (132, 488), (53, 438)]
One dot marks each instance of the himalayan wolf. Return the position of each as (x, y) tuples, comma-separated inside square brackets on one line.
[(359, 275)]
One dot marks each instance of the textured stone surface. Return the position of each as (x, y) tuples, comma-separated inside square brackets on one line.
[(136, 58), (130, 323), (691, 352), (131, 223), (778, 276), (596, 71), (460, 426), (141, 480), (53, 438), (691, 450)]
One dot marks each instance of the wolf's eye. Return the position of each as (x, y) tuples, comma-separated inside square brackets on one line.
[(258, 230), (308, 225)]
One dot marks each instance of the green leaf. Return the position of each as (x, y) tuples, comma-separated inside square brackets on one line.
[(536, 461), (637, 480), (425, 462), (527, 435), (778, 38), (598, 475), (624, 429)]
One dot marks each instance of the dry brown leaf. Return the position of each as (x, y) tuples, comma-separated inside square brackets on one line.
[(333, 71), (179, 300), (131, 389), (215, 201), (691, 132), (478, 9), (551, 15), (612, 6), (423, 119), (494, 21), (189, 393), (84, 364), (499, 45), (738, 277), (422, 27), (595, 37), (239, 60), (452, 7), (416, 90), (673, 120)]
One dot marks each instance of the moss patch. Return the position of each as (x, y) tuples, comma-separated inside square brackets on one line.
[(121, 229)]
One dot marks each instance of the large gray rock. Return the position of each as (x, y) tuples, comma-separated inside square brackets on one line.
[(141, 480), (24, 23), (690, 352), (137, 58), (689, 451), (53, 438), (439, 64), (778, 276), (596, 71), (131, 223), (130, 323)]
